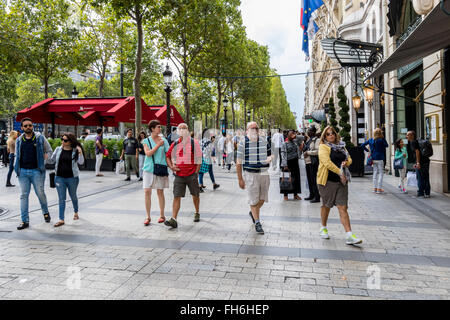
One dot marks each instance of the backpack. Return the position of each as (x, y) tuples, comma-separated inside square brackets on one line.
[(426, 149)]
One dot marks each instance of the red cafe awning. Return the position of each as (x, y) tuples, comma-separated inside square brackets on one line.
[(161, 115)]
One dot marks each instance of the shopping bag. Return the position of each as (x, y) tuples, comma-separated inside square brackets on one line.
[(411, 179), (120, 167), (286, 185), (105, 153)]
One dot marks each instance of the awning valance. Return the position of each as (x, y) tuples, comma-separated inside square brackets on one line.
[(432, 34)]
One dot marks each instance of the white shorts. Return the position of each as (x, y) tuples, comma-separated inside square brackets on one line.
[(257, 185), (150, 181)]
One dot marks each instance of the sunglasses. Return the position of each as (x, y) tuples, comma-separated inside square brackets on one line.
[(65, 140), (330, 134), (27, 126)]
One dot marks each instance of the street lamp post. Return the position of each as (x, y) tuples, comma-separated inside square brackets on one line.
[(225, 109), (74, 93), (167, 74)]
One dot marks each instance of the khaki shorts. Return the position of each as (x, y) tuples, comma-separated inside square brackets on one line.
[(257, 185), (333, 194), (180, 183)]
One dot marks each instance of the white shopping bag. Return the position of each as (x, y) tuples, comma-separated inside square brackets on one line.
[(411, 179), (120, 167)]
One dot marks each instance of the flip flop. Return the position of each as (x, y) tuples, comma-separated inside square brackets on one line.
[(161, 220)]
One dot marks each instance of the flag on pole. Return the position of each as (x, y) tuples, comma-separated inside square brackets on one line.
[(308, 25)]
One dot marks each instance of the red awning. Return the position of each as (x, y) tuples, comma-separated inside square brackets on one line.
[(161, 115)]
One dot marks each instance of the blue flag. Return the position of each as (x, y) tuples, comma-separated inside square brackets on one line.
[(308, 7)]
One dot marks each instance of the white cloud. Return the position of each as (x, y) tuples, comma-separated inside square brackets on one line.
[(277, 25)]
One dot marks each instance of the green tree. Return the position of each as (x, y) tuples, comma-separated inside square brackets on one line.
[(28, 93), (332, 113), (345, 117)]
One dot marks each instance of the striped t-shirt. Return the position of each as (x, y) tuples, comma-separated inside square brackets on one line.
[(253, 154)]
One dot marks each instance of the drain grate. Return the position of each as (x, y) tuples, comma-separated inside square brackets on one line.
[(3, 212)]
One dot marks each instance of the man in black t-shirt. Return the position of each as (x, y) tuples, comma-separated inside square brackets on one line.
[(131, 151), (422, 166)]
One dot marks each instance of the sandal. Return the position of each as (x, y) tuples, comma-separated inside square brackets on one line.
[(75, 216), (161, 219), (297, 198), (147, 222), (59, 223)]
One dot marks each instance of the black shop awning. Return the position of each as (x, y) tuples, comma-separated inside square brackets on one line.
[(431, 35)]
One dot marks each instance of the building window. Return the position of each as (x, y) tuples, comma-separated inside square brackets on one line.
[(409, 17)]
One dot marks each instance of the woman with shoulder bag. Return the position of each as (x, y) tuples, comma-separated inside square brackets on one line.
[(290, 154), (66, 158), (332, 179), (155, 171), (400, 163), (311, 156)]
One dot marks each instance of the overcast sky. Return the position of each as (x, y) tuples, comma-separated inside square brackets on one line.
[(276, 23)]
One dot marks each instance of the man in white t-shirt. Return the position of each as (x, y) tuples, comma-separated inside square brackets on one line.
[(220, 149), (277, 142)]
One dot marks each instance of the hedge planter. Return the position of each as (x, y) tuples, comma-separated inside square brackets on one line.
[(107, 165), (357, 166)]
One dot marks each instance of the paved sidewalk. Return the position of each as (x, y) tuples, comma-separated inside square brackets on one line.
[(110, 254)]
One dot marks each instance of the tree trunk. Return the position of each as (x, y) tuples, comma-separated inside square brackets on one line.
[(185, 92), (45, 97), (232, 107), (102, 82), (245, 114), (138, 72), (219, 99)]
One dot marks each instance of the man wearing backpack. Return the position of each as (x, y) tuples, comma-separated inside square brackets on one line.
[(423, 151)]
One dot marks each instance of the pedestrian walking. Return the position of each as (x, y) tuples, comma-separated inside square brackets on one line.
[(3, 147), (422, 150), (221, 151), (66, 158), (99, 148), (11, 149), (311, 156), (184, 158), (213, 149), (277, 142), (155, 174), (290, 155), (131, 152), (207, 167), (142, 136), (401, 157), (332, 180), (378, 145), (254, 157), (229, 148), (32, 150)]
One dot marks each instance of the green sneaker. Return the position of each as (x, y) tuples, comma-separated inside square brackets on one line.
[(324, 233), (171, 223), (353, 240), (196, 217)]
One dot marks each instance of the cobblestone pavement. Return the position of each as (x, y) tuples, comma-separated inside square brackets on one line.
[(110, 254)]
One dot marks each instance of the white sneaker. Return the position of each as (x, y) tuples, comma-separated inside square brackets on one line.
[(324, 233), (352, 240)]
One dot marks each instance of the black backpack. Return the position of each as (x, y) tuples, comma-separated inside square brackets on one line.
[(426, 149)]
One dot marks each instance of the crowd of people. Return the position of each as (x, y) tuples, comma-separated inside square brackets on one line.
[(255, 153)]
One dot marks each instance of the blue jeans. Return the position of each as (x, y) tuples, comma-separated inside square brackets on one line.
[(211, 175), (27, 178), (62, 185), (423, 180), (11, 167)]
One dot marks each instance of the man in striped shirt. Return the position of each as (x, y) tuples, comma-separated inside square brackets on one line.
[(253, 157)]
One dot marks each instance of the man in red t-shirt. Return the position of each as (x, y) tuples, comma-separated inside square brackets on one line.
[(184, 158)]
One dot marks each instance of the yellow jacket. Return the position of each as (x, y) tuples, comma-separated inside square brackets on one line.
[(326, 164)]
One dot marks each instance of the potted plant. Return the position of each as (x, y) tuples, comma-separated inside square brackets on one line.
[(356, 153)]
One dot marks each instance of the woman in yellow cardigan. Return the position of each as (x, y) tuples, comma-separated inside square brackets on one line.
[(333, 182)]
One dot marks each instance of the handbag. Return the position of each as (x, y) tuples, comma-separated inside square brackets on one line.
[(398, 164), (105, 152), (158, 169), (52, 179), (369, 160), (286, 185)]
